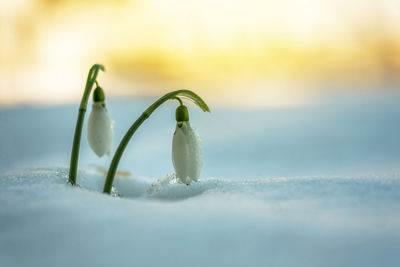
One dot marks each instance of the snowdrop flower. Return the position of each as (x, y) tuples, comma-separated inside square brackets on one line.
[(186, 149), (100, 126)]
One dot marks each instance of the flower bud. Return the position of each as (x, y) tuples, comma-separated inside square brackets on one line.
[(186, 153), (100, 129)]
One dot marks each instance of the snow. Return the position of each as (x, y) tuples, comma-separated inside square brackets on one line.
[(306, 186)]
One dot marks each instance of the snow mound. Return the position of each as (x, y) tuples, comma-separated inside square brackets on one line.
[(299, 221), (364, 188)]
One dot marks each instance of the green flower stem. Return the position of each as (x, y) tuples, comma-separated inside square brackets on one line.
[(179, 100), (125, 140), (94, 70)]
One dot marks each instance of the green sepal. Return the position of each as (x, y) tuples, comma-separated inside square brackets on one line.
[(98, 95), (182, 113)]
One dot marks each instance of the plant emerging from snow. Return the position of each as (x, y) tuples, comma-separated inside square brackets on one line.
[(186, 145), (91, 79), (146, 114)]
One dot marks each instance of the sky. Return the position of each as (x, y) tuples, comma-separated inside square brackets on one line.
[(236, 53)]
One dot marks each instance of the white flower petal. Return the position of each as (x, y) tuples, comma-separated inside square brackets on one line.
[(100, 130), (186, 154)]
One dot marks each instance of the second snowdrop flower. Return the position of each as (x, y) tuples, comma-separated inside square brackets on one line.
[(100, 125), (186, 149)]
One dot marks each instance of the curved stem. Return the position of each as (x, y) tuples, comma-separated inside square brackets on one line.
[(125, 140), (179, 100), (94, 70)]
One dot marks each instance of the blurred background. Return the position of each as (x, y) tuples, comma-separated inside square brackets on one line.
[(299, 87), (244, 53), (305, 91)]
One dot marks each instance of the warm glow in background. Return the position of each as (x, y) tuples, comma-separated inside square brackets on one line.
[(245, 52)]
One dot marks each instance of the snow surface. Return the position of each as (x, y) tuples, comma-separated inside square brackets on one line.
[(306, 186)]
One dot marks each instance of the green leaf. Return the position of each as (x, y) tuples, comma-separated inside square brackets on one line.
[(193, 97)]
